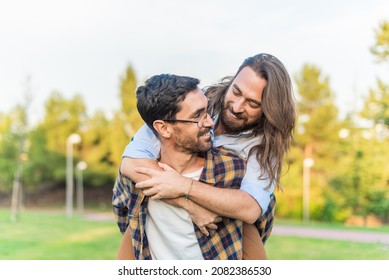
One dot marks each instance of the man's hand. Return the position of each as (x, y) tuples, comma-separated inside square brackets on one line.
[(203, 218), (163, 184)]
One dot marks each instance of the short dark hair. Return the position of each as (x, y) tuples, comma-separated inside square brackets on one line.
[(161, 96)]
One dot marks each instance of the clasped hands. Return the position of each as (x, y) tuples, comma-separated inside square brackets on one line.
[(168, 184)]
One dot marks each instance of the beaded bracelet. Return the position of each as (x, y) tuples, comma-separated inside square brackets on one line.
[(186, 197)]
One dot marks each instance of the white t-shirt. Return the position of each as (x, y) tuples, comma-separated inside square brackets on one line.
[(170, 230)]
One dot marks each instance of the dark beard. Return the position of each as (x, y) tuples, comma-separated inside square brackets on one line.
[(190, 145), (234, 128)]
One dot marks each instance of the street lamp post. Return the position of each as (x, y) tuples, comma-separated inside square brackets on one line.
[(72, 139), (307, 164), (81, 166)]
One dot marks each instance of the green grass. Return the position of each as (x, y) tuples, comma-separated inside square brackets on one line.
[(42, 236), (295, 248), (51, 236)]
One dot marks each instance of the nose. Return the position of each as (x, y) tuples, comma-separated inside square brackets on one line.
[(237, 107), (209, 121)]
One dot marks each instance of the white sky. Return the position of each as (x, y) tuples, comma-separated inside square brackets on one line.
[(77, 46)]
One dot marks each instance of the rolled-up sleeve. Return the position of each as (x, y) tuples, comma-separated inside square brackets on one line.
[(255, 186), (120, 198)]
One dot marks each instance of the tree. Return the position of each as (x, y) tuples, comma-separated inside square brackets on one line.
[(362, 178), (377, 103), (13, 154), (316, 136), (370, 171), (126, 121), (381, 48), (127, 91), (45, 166), (9, 146), (129, 112), (376, 106), (317, 109), (96, 151), (62, 118), (48, 139)]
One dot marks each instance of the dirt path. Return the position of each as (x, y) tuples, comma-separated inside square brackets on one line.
[(336, 234)]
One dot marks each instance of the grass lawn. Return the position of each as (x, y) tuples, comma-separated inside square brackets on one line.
[(51, 236), (295, 248), (44, 236)]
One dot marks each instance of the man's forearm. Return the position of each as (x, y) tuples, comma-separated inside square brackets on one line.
[(230, 203), (181, 203), (126, 248), (205, 219), (129, 164), (178, 202), (224, 202)]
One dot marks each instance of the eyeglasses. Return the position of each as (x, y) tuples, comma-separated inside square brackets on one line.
[(200, 122)]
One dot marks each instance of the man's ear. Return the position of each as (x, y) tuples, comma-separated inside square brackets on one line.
[(162, 128)]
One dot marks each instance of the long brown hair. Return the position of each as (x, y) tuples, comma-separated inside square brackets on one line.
[(277, 119)]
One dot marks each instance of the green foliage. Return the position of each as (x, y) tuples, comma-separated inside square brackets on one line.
[(129, 113), (127, 91), (316, 106), (43, 165), (376, 106), (48, 140), (378, 203), (125, 122), (313, 89), (62, 118), (103, 139), (316, 137), (366, 185), (96, 149), (350, 174), (12, 126), (381, 47), (362, 174)]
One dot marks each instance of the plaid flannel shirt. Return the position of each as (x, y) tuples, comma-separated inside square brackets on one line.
[(221, 169), (265, 222)]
